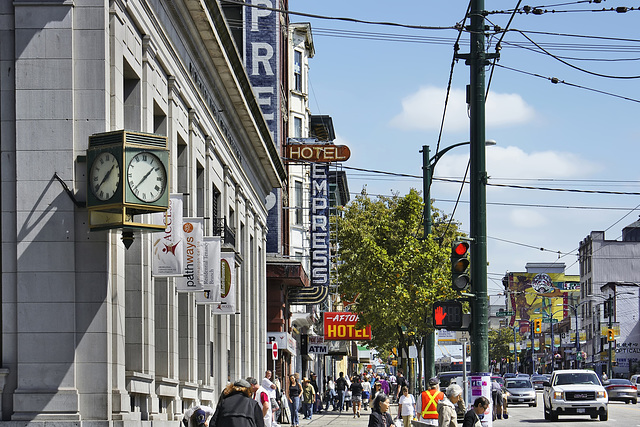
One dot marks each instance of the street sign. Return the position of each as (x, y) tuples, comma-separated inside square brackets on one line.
[(274, 349), (549, 320), (447, 315), (505, 313)]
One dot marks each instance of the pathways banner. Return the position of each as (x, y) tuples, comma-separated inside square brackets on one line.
[(228, 285), (211, 271), (192, 274)]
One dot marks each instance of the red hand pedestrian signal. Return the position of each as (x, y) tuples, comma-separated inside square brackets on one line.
[(439, 315), (447, 315)]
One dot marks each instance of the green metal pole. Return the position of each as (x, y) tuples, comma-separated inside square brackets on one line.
[(480, 312), (429, 340), (610, 313)]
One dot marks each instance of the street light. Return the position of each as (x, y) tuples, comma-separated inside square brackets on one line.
[(428, 167)]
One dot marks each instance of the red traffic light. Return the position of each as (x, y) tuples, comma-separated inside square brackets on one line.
[(461, 248)]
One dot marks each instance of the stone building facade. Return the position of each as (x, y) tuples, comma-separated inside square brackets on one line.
[(88, 334)]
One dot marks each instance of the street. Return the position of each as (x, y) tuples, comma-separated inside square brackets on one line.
[(620, 414)]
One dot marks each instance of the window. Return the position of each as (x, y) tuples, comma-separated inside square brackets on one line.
[(298, 202), (297, 127), (297, 71)]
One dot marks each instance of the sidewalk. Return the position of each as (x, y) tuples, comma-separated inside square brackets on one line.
[(341, 419)]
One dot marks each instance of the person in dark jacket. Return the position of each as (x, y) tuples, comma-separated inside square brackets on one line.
[(474, 416), (380, 416), (237, 408)]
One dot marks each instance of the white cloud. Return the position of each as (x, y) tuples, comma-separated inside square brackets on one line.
[(527, 218), (423, 110)]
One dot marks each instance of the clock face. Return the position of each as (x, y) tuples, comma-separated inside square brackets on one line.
[(104, 176), (146, 177)]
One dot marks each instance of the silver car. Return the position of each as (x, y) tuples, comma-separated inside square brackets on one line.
[(520, 390), (621, 390)]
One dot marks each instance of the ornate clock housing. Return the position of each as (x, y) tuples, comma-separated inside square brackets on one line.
[(146, 176), (104, 175), (127, 178)]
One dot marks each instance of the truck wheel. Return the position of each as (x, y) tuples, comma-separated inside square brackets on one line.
[(604, 416), (553, 415)]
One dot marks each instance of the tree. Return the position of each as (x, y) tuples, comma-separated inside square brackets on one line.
[(391, 272), (499, 341)]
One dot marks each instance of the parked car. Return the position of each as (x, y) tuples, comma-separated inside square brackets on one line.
[(575, 392), (635, 380), (621, 390), (520, 390), (538, 381)]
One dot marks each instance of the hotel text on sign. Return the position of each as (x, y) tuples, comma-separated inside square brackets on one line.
[(342, 326)]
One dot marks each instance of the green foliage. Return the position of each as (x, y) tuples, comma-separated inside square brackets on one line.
[(389, 269), (499, 341)]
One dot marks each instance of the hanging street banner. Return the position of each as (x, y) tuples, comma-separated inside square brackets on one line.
[(319, 224), (210, 271), (342, 326), (228, 285), (192, 277), (168, 254)]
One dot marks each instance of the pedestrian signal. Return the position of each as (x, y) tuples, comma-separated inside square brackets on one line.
[(460, 262), (611, 335), (447, 315), (537, 326)]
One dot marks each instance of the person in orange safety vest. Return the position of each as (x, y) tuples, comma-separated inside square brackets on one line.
[(428, 403)]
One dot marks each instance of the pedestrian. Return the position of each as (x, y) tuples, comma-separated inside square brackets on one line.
[(377, 388), (394, 389), (294, 389), (474, 416), (499, 406), (366, 393), (236, 408), (308, 398), (356, 395), (197, 416), (447, 416), (261, 396), (330, 394), (317, 402), (406, 406), (270, 387), (401, 381), (428, 402), (385, 385), (341, 387), (380, 416)]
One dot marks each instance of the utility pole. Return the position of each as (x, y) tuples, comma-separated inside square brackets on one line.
[(477, 60), (610, 313)]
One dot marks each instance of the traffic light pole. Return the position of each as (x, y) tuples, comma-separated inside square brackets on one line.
[(610, 313), (477, 61), (429, 340)]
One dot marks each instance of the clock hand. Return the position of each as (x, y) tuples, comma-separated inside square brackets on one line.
[(143, 178), (106, 176)]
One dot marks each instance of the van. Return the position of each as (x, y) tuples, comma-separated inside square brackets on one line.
[(446, 377), (635, 380)]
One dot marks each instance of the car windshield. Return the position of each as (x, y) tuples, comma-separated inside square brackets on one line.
[(538, 378), (518, 384), (577, 378)]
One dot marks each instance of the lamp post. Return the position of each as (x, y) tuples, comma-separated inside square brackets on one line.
[(428, 166)]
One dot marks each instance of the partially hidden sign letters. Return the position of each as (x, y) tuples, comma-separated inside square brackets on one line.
[(342, 326)]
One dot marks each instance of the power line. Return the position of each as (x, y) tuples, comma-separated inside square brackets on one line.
[(337, 18), (556, 80)]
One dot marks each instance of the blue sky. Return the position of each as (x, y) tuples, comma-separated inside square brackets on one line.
[(386, 97)]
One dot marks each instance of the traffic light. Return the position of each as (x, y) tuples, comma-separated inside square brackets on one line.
[(611, 335), (447, 315), (537, 326), (460, 262)]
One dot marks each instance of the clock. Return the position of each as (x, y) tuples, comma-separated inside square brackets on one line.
[(146, 176), (104, 176)]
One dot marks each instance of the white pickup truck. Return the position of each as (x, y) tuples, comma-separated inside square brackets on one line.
[(575, 392)]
